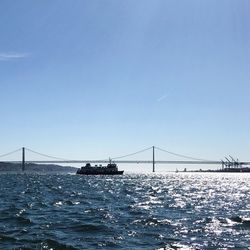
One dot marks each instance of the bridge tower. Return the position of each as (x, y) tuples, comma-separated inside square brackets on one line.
[(23, 158), (153, 159)]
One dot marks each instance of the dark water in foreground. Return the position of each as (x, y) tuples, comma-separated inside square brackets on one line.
[(139, 211)]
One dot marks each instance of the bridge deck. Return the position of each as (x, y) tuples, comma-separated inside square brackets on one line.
[(129, 162)]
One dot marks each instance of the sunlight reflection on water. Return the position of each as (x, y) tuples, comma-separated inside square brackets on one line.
[(134, 211)]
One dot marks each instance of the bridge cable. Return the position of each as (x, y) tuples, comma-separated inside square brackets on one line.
[(12, 152), (119, 157), (45, 155), (180, 155)]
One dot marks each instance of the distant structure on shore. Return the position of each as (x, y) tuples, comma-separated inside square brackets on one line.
[(228, 166), (233, 165)]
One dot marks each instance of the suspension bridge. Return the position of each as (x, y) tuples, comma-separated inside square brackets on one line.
[(187, 159)]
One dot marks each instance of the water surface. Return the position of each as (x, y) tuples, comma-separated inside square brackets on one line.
[(134, 211)]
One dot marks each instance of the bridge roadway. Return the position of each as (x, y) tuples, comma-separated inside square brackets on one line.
[(130, 162)]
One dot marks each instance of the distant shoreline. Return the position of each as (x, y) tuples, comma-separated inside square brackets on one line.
[(33, 167), (228, 170)]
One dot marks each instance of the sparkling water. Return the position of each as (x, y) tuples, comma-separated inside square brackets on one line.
[(133, 211)]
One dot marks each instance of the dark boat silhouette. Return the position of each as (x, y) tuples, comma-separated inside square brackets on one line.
[(110, 169)]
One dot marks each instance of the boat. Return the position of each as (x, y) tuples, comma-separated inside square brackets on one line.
[(110, 169)]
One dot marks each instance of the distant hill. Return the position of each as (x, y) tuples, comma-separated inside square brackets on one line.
[(7, 166)]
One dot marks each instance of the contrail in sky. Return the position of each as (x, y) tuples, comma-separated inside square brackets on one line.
[(12, 56), (161, 98)]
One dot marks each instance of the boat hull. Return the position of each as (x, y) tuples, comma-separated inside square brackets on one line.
[(100, 173)]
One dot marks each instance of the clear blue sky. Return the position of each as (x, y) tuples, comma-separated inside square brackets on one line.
[(92, 79)]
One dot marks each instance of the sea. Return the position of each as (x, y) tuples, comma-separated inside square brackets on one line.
[(132, 211)]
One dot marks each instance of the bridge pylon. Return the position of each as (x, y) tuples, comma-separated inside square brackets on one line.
[(23, 158), (153, 159)]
